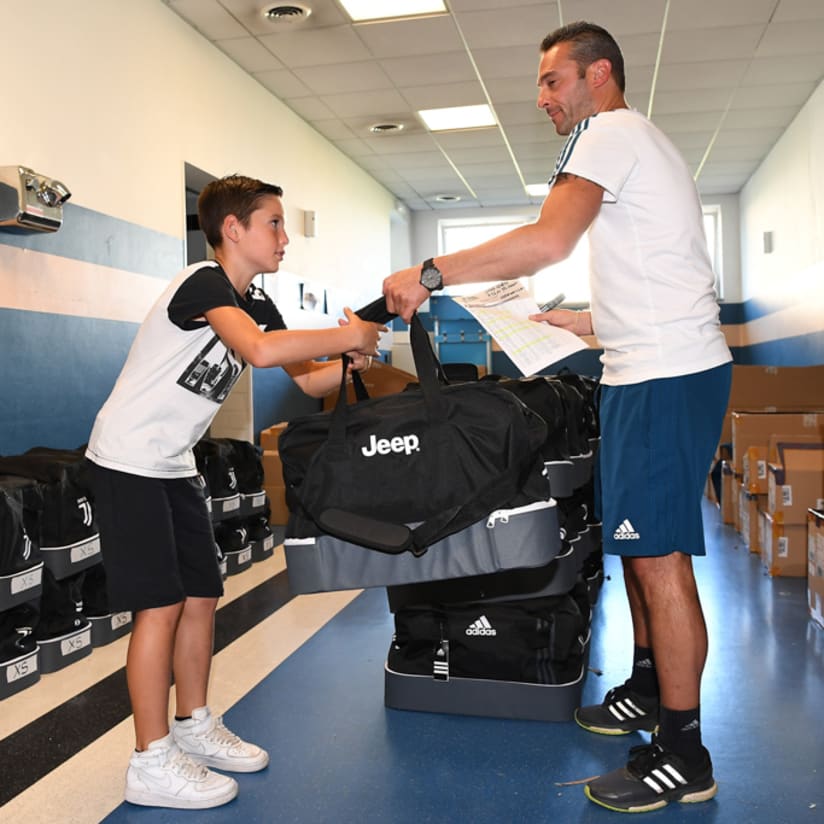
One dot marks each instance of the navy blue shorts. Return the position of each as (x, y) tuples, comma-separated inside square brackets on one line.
[(658, 439), (156, 539)]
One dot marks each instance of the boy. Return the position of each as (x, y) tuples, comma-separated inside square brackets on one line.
[(156, 534)]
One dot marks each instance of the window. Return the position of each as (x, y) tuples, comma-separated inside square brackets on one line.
[(569, 276), (712, 230)]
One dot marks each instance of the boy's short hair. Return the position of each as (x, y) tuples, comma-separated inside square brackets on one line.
[(231, 195), (589, 43)]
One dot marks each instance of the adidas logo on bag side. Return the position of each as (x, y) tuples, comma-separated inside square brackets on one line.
[(626, 532), (383, 446), (481, 627)]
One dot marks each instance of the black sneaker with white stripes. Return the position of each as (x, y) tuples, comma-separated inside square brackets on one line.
[(622, 711), (651, 779)]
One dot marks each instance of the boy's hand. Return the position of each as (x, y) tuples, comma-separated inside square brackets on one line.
[(367, 334)]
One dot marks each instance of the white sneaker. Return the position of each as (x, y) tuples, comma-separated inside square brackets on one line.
[(206, 740), (164, 776)]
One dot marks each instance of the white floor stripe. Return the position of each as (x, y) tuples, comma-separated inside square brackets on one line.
[(87, 787)]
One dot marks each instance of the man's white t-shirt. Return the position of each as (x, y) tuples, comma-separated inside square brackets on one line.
[(177, 374), (654, 306)]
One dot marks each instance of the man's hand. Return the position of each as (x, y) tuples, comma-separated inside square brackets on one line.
[(579, 323), (404, 292)]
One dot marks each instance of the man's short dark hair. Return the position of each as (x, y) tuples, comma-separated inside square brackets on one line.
[(589, 43), (232, 195)]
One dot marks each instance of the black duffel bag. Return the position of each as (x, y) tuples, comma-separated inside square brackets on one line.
[(535, 640), (403, 471)]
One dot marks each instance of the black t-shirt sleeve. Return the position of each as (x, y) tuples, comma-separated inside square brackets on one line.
[(204, 289), (263, 310)]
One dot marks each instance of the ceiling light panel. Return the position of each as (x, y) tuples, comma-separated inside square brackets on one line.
[(457, 117), (364, 10)]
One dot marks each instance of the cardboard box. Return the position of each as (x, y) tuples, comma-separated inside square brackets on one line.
[(785, 549), (750, 506), (764, 536), (755, 469), (728, 501), (276, 493), (382, 379), (738, 491), (269, 436), (796, 485), (272, 468), (815, 564), (773, 389), (755, 429)]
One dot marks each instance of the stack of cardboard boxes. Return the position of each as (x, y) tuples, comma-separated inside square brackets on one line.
[(772, 470), (815, 563)]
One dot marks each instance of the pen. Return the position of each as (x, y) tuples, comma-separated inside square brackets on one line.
[(556, 301)]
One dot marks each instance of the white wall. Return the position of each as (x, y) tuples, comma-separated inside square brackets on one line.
[(785, 197), (112, 97)]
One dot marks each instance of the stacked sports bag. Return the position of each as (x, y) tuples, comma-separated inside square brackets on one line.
[(449, 496), (514, 643), (439, 481)]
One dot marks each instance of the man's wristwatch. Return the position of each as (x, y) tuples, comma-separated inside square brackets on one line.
[(431, 276)]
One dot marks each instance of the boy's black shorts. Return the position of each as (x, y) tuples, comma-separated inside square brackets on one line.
[(156, 540)]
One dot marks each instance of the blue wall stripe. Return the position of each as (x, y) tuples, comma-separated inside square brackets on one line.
[(97, 238), (61, 371)]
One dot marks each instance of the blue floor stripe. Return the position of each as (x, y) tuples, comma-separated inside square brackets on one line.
[(338, 755)]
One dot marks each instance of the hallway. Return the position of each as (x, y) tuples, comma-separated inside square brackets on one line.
[(303, 677)]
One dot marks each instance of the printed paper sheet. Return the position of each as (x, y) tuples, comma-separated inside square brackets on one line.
[(504, 310)]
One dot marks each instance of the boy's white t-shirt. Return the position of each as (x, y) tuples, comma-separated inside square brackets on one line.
[(177, 374), (654, 306)]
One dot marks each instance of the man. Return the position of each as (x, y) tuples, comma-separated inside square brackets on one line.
[(665, 385)]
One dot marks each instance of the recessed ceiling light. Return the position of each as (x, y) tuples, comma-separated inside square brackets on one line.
[(362, 10), (457, 117), (285, 13), (537, 189), (385, 128), (447, 198)]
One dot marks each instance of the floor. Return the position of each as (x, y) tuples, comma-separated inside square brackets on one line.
[(304, 677)]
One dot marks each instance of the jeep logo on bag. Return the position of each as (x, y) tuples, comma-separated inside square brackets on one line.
[(383, 446)]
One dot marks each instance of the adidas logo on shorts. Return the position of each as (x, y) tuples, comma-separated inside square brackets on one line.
[(481, 627), (626, 532)]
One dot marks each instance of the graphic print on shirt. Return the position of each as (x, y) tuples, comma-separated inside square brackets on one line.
[(212, 374)]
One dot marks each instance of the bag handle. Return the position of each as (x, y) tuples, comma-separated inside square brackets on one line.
[(427, 367)]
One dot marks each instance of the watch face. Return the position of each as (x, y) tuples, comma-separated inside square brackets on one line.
[(431, 277)]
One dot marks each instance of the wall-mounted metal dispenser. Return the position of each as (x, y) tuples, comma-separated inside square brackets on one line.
[(30, 201)]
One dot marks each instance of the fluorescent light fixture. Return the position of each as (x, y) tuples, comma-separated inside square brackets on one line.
[(361, 10), (537, 189), (457, 117)]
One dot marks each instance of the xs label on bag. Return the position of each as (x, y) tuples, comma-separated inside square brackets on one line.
[(383, 446)]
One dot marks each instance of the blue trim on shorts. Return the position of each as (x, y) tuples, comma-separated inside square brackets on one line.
[(658, 439)]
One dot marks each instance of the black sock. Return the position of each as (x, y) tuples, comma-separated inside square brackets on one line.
[(680, 732), (644, 678), (183, 718)]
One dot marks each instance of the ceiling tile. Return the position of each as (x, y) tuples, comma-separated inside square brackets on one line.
[(209, 18), (250, 54), (344, 77), (401, 38), (283, 83), (355, 104), (414, 71), (443, 94), (318, 47)]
